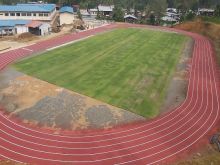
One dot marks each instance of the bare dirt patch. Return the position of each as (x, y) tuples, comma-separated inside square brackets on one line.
[(47, 105)]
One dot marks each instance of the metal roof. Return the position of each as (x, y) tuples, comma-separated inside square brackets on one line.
[(12, 23), (105, 8), (130, 16), (34, 24), (66, 9), (28, 8)]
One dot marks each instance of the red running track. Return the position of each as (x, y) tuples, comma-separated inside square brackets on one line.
[(152, 142)]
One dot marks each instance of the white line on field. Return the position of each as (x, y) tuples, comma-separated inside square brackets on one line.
[(68, 43)]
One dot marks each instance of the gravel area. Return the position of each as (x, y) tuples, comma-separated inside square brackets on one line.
[(60, 111), (7, 75), (70, 111), (103, 117), (177, 90)]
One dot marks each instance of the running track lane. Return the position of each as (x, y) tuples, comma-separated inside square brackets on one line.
[(146, 143)]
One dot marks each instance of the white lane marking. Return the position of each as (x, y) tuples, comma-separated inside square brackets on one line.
[(69, 43), (27, 49)]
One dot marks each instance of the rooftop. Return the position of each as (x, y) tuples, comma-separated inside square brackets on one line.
[(34, 24), (105, 8), (28, 8), (130, 16), (12, 23), (66, 9)]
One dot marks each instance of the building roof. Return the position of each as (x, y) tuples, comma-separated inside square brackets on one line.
[(12, 23), (94, 10), (206, 10), (130, 16), (28, 8), (172, 10), (66, 9), (105, 8), (34, 24), (169, 19)]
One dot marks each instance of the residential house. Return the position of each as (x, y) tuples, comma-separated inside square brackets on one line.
[(206, 12), (171, 16), (106, 11), (130, 18)]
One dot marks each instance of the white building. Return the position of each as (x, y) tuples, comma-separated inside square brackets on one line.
[(10, 27), (40, 12), (103, 10), (206, 12), (39, 28), (67, 15)]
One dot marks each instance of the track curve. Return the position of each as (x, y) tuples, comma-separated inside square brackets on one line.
[(145, 143)]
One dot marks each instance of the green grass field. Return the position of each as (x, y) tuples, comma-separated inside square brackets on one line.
[(127, 68)]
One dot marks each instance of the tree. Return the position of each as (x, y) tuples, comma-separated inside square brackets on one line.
[(217, 11), (158, 7), (118, 14), (190, 16), (79, 15), (152, 19)]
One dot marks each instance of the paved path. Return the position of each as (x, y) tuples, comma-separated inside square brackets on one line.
[(145, 143)]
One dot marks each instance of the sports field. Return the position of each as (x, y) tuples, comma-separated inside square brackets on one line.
[(128, 68)]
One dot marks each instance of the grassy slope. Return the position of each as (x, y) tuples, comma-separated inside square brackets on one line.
[(211, 19), (128, 68)]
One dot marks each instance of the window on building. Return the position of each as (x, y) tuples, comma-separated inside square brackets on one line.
[(28, 14), (23, 14), (34, 14), (18, 14), (12, 14), (41, 14), (6, 14), (46, 15), (1, 13)]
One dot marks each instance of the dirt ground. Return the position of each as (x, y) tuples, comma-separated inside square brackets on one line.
[(15, 42)]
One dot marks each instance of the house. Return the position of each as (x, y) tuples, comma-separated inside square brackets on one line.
[(10, 27), (171, 16), (39, 28), (106, 10), (35, 11), (102, 10), (130, 18), (169, 19), (86, 15), (67, 15), (206, 12), (171, 10)]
